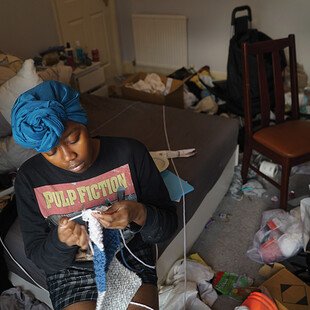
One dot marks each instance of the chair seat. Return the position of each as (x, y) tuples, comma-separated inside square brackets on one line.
[(288, 139)]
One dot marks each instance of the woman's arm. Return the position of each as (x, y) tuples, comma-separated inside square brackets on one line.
[(161, 217), (154, 215), (41, 241)]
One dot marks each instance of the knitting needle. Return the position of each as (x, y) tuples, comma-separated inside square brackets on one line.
[(75, 217)]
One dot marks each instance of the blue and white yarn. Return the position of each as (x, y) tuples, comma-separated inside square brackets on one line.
[(104, 248)]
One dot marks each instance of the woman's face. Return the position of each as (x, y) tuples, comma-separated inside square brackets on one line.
[(76, 151)]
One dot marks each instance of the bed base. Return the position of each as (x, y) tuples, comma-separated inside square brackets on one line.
[(196, 224)]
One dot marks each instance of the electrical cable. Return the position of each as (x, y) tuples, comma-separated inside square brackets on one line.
[(137, 258), (141, 305), (21, 267), (183, 209), (156, 252)]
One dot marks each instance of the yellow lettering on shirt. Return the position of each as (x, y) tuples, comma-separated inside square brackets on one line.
[(94, 191), (71, 196), (122, 180), (83, 194), (48, 197)]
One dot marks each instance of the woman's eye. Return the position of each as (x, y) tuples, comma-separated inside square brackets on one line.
[(75, 140), (51, 152)]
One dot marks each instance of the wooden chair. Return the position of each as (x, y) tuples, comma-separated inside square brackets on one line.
[(286, 142)]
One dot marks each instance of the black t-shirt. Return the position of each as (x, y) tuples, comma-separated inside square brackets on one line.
[(44, 193)]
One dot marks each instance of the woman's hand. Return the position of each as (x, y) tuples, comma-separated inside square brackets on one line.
[(121, 213), (71, 233)]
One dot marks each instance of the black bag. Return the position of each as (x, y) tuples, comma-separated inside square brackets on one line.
[(231, 90), (234, 84)]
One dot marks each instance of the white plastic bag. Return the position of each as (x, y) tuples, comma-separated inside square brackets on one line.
[(305, 219), (172, 296), (279, 237), (195, 272)]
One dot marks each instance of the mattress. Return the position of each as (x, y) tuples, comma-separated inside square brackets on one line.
[(213, 137)]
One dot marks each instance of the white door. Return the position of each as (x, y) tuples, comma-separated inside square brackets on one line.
[(93, 24)]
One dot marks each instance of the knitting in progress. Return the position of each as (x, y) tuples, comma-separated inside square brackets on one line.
[(116, 285), (102, 256)]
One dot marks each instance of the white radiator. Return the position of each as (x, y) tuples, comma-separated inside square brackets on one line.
[(160, 40)]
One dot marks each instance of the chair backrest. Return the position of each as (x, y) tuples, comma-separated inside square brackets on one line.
[(271, 96)]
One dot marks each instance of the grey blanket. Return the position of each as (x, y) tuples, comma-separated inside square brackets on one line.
[(17, 299)]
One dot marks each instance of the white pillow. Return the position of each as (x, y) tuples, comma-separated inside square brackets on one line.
[(5, 127), (6, 74), (12, 155), (26, 78)]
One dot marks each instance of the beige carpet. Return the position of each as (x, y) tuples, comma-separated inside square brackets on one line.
[(223, 245)]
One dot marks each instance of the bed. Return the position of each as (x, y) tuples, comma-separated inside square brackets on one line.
[(210, 171)]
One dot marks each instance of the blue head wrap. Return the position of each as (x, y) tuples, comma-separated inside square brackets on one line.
[(39, 114)]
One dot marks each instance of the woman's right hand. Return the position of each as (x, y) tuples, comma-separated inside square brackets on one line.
[(71, 233)]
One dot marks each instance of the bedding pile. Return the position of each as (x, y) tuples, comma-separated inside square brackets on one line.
[(11, 154)]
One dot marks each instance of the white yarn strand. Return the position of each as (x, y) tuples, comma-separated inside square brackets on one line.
[(141, 305), (137, 258), (183, 208)]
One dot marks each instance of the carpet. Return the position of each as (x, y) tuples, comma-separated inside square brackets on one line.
[(224, 242)]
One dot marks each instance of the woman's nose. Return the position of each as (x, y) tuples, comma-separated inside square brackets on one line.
[(67, 153)]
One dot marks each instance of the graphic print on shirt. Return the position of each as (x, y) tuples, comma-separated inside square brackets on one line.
[(70, 198)]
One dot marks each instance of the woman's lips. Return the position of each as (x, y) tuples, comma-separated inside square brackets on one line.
[(76, 168)]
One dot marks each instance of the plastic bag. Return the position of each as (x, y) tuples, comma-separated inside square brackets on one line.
[(195, 272), (305, 219), (279, 237), (171, 294), (171, 297)]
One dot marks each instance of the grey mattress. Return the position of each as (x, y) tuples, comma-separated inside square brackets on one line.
[(213, 137)]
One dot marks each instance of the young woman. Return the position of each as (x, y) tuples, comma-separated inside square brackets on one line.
[(75, 172)]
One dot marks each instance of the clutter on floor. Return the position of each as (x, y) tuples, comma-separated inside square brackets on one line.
[(198, 275), (281, 289), (16, 298), (288, 291), (280, 234), (204, 284), (153, 88), (279, 237)]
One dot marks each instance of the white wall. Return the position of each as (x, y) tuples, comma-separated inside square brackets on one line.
[(27, 27), (209, 28)]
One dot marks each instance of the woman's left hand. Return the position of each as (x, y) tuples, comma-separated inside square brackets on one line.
[(121, 213)]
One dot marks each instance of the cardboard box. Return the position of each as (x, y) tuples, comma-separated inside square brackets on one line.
[(174, 98), (288, 291)]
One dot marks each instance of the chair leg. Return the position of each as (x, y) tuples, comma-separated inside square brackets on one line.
[(247, 153), (285, 179)]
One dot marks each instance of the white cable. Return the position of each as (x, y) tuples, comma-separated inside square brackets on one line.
[(156, 249), (141, 305), (184, 209), (137, 258), (111, 119), (21, 267)]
